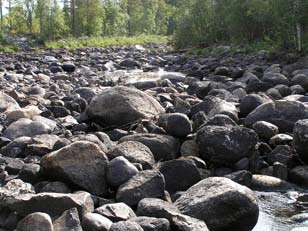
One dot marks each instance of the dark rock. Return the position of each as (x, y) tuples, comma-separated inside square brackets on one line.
[(152, 223), (265, 130), (29, 203), (116, 212), (221, 203), (175, 124), (69, 220), (226, 145), (135, 152), (125, 226), (119, 171), (283, 114), (163, 147), (95, 222), (179, 174), (152, 207), (149, 183), (212, 106), (250, 102), (299, 175), (301, 139)]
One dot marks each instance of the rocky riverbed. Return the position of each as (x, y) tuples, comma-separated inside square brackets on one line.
[(143, 138)]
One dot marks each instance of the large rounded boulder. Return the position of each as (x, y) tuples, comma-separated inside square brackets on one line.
[(226, 145), (221, 203), (122, 105), (82, 163), (282, 113)]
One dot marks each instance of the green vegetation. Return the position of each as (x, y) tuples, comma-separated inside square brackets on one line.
[(248, 25), (202, 23), (75, 43)]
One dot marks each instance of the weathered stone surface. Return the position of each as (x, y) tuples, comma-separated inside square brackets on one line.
[(69, 220), (221, 203), (116, 212), (269, 183), (149, 183), (125, 226), (35, 221), (226, 145), (82, 163), (7, 103), (152, 223), (179, 174), (26, 127), (53, 204), (122, 105), (176, 124), (163, 147), (119, 171), (95, 222), (135, 152), (284, 114)]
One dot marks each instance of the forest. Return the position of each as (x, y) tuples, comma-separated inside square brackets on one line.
[(192, 23)]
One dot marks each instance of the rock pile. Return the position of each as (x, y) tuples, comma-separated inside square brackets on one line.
[(100, 139)]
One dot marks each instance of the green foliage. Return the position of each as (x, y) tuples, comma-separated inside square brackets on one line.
[(206, 22), (75, 43)]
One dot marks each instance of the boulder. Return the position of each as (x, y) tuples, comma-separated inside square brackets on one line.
[(69, 220), (179, 174), (7, 103), (26, 204), (212, 106), (284, 114), (221, 203), (26, 127), (175, 124), (163, 147), (36, 221), (119, 171), (269, 184), (135, 152), (125, 226), (95, 222), (82, 163), (116, 212), (149, 183), (265, 129), (152, 223), (226, 145), (122, 105), (154, 207)]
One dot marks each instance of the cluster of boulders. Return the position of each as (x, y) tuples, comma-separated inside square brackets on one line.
[(83, 148)]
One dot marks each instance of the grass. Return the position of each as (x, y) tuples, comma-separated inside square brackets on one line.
[(75, 43), (8, 48)]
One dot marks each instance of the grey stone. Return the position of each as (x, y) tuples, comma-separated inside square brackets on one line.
[(163, 147), (122, 105), (82, 163), (149, 183), (116, 212), (135, 152), (221, 203), (119, 171), (226, 144), (35, 221)]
